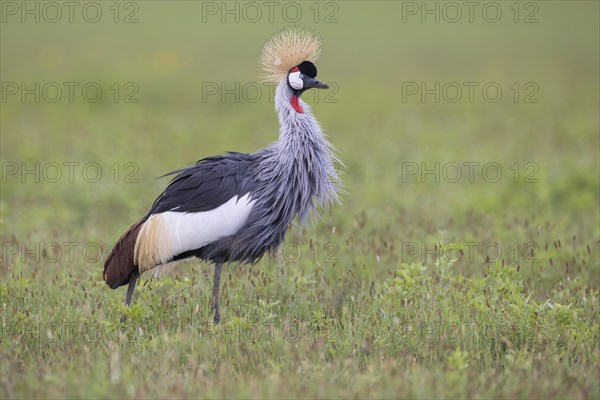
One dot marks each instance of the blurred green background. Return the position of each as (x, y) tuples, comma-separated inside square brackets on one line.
[(177, 47), (372, 52)]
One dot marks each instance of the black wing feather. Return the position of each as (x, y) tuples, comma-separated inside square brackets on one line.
[(207, 184)]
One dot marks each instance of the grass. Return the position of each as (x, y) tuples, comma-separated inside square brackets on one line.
[(400, 293)]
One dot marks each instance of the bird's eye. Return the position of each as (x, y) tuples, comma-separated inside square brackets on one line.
[(301, 76)]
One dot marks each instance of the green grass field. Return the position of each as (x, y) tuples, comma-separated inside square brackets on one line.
[(464, 262)]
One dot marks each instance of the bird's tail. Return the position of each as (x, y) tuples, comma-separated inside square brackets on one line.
[(120, 262)]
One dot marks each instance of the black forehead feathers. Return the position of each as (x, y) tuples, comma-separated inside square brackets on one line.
[(308, 69)]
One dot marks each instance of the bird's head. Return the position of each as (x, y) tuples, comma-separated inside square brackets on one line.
[(288, 58), (303, 77)]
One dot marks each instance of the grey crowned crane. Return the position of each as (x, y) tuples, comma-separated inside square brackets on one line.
[(236, 207)]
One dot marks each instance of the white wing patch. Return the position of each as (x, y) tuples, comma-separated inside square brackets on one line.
[(189, 231), (168, 234)]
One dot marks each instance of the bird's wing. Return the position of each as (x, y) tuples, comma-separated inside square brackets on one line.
[(205, 202), (207, 184)]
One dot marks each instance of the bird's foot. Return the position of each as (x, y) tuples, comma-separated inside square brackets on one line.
[(214, 309)]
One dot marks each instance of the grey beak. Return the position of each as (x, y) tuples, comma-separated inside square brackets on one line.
[(314, 83)]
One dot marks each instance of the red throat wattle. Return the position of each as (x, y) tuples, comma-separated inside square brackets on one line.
[(296, 105)]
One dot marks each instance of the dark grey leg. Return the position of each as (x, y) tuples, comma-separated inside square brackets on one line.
[(214, 303), (132, 281)]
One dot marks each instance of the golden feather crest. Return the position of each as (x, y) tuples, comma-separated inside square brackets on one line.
[(287, 49)]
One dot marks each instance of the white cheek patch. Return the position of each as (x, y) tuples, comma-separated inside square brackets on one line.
[(295, 81)]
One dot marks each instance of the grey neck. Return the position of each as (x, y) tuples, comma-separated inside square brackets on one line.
[(290, 120), (301, 161)]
